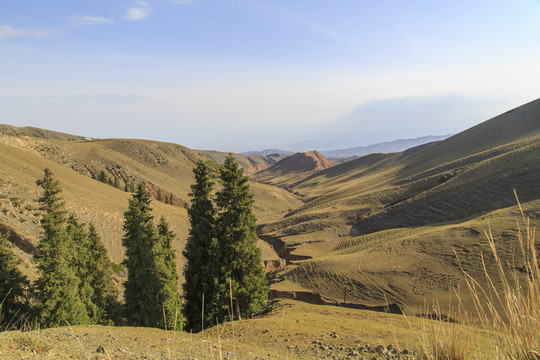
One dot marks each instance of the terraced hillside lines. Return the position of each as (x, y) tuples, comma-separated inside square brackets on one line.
[(482, 186), (411, 267)]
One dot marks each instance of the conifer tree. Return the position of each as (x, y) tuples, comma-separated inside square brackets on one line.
[(238, 252), (13, 286), (102, 177), (169, 297), (149, 291), (201, 251), (141, 307), (81, 261), (57, 298), (105, 294)]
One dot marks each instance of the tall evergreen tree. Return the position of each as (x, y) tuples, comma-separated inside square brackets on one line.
[(105, 294), (142, 306), (169, 297), (81, 261), (201, 251), (57, 298), (236, 230), (151, 290), (13, 287)]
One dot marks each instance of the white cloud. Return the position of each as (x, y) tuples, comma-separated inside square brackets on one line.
[(89, 20), (140, 12), (7, 31), (183, 2)]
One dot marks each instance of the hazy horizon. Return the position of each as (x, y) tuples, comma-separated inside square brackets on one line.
[(233, 75)]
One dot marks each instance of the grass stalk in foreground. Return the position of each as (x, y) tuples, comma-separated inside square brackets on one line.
[(507, 307), (512, 309)]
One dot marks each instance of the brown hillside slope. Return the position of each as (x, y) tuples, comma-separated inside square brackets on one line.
[(250, 163), (407, 211), (89, 200), (11, 130), (296, 166), (163, 167), (395, 190)]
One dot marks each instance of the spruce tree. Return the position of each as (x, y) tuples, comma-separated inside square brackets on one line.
[(13, 287), (169, 297), (141, 288), (81, 261), (57, 297), (105, 294), (236, 230), (202, 267)]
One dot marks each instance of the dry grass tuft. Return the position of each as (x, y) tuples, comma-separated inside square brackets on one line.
[(447, 338), (510, 306)]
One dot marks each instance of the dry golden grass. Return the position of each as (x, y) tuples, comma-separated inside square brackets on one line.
[(289, 330), (510, 304), (506, 306)]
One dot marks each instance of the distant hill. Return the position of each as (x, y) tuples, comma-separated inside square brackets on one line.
[(10, 130), (383, 148), (251, 163), (269, 152), (295, 166)]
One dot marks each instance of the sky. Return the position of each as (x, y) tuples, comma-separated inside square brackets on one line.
[(240, 75)]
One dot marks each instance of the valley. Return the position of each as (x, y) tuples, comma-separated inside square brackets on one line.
[(389, 232)]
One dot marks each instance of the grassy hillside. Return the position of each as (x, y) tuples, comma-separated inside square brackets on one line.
[(290, 330), (384, 227), (165, 168)]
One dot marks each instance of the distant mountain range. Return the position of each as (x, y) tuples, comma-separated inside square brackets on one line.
[(383, 148), (352, 153), (269, 152)]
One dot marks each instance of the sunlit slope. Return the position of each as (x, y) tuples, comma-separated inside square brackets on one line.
[(293, 168), (10, 130), (163, 167), (466, 175), (90, 200), (411, 266)]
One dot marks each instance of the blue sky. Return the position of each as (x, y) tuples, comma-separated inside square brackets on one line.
[(240, 75)]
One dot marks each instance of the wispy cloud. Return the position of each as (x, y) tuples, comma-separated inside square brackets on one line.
[(7, 31), (140, 12), (89, 20), (183, 2)]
